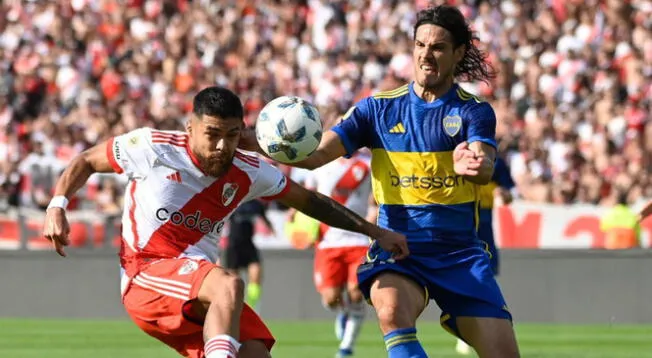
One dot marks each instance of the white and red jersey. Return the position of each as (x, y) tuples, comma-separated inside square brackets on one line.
[(172, 209), (348, 182)]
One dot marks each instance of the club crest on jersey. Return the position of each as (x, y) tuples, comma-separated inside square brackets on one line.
[(228, 193), (133, 141), (452, 125), (188, 267)]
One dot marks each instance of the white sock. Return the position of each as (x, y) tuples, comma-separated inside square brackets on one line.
[(221, 346), (353, 324)]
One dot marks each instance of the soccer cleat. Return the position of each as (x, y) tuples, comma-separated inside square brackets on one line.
[(340, 324), (462, 348), (344, 353)]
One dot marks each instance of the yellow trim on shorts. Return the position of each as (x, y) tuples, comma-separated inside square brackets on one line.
[(486, 249), (445, 326)]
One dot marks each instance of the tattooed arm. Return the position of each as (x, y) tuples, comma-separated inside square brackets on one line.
[(331, 213)]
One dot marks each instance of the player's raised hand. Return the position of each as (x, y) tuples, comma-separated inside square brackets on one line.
[(57, 229), (465, 161), (393, 242)]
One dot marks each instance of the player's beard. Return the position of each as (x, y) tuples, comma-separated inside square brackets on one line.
[(215, 166)]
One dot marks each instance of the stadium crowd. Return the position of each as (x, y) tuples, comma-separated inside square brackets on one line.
[(572, 95)]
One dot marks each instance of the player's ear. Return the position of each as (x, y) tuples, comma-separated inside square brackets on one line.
[(189, 123)]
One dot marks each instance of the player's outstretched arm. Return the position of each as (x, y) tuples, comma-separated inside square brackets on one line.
[(333, 214), (330, 148), (93, 160)]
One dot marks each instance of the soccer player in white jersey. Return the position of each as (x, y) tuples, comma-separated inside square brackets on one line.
[(182, 188), (338, 253)]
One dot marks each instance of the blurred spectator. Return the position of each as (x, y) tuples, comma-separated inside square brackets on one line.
[(572, 97), (39, 171), (621, 226)]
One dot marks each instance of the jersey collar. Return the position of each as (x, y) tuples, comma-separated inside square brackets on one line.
[(436, 103)]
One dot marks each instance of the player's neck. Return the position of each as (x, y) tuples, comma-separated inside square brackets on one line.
[(431, 94)]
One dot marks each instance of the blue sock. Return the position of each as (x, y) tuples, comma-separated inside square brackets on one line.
[(403, 343)]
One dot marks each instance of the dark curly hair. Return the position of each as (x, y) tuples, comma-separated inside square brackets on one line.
[(473, 65), (217, 101)]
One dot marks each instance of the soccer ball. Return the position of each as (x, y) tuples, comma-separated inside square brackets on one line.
[(288, 129)]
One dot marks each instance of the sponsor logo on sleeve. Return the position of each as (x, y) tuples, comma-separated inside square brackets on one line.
[(116, 150)]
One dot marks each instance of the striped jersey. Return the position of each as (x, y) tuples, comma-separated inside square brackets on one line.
[(412, 142), (171, 208), (349, 183)]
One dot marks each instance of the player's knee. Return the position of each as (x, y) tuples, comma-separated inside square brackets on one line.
[(355, 295), (227, 288), (235, 286), (392, 316), (330, 299)]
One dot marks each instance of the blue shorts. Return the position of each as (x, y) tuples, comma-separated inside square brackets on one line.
[(457, 276), (486, 234)]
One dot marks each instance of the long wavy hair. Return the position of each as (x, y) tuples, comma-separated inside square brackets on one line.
[(474, 65)]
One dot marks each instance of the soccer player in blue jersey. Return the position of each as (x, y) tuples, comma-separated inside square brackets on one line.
[(432, 146), (501, 185)]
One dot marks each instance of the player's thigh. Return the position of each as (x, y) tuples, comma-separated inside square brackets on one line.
[(331, 296), (218, 285), (397, 299), (490, 337), (157, 297), (253, 349)]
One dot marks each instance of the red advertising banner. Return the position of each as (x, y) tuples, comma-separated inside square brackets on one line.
[(519, 226)]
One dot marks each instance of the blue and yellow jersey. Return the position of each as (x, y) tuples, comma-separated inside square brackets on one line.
[(501, 178), (412, 143)]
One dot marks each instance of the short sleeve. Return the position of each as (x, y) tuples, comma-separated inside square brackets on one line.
[(270, 183), (502, 175), (356, 128), (481, 123), (131, 153)]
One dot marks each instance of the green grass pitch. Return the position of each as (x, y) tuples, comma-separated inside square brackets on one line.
[(121, 339)]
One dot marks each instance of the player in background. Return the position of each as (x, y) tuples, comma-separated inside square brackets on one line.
[(182, 188), (240, 252), (432, 145), (501, 186), (338, 253)]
